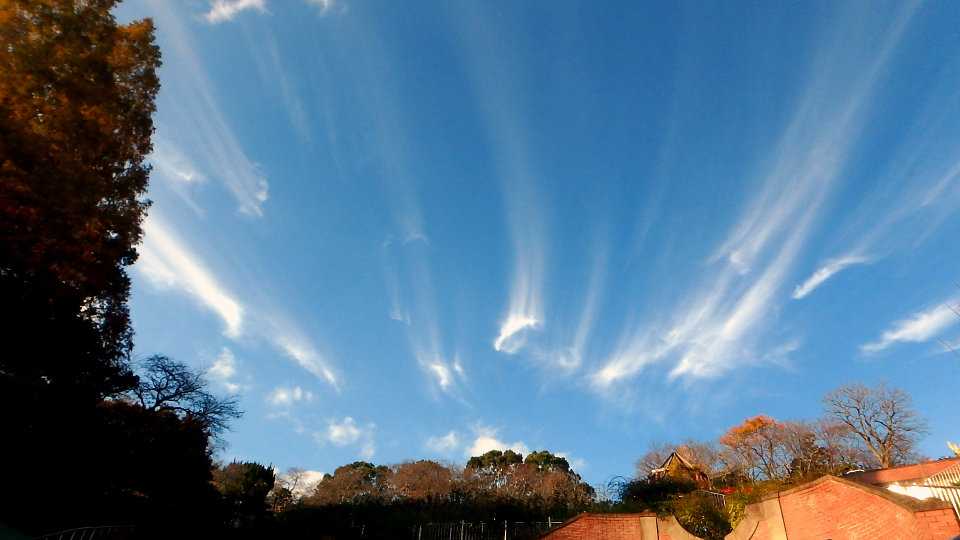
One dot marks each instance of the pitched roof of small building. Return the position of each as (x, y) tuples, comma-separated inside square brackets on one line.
[(674, 456), (903, 473)]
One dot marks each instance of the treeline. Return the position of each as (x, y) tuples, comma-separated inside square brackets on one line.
[(389, 501)]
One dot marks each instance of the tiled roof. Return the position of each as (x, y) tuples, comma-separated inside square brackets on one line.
[(904, 473)]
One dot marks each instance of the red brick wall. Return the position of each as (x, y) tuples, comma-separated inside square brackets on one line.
[(595, 527), (937, 524), (838, 510), (835, 510), (643, 526)]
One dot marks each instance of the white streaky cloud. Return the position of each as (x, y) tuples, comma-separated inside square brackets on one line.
[(225, 366), (170, 162), (458, 369), (442, 374), (201, 124), (225, 10), (168, 263), (400, 316), (494, 72), (570, 357), (397, 311), (940, 187), (286, 337), (444, 444), (919, 327), (828, 270), (347, 432), (323, 5), (722, 322), (510, 340), (273, 75), (486, 440), (224, 371), (178, 172), (286, 396)]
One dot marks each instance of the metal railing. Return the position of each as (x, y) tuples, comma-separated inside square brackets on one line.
[(945, 486), (101, 532), (482, 530), (718, 499)]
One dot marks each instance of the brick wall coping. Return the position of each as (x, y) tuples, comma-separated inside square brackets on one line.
[(903, 473), (904, 501)]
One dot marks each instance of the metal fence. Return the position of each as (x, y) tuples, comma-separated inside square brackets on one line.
[(482, 530), (718, 499), (103, 532), (945, 485)]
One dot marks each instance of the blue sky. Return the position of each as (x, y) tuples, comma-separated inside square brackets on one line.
[(415, 229)]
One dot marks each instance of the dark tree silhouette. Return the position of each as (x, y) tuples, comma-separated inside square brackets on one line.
[(168, 385), (245, 486)]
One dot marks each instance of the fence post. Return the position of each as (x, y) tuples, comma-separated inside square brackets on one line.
[(549, 522), (419, 531), (504, 529), (461, 529)]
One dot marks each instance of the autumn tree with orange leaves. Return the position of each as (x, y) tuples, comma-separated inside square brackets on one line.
[(758, 447), (77, 94)]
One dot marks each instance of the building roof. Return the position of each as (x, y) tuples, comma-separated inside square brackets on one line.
[(676, 456), (903, 473)]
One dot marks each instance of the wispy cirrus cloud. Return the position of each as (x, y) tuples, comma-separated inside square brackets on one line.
[(302, 351), (190, 96), (324, 6), (493, 74), (405, 252), (275, 75), (510, 339), (225, 10), (917, 328), (168, 263), (179, 172), (346, 432), (285, 396), (224, 370), (571, 356), (722, 322), (918, 187), (825, 272)]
